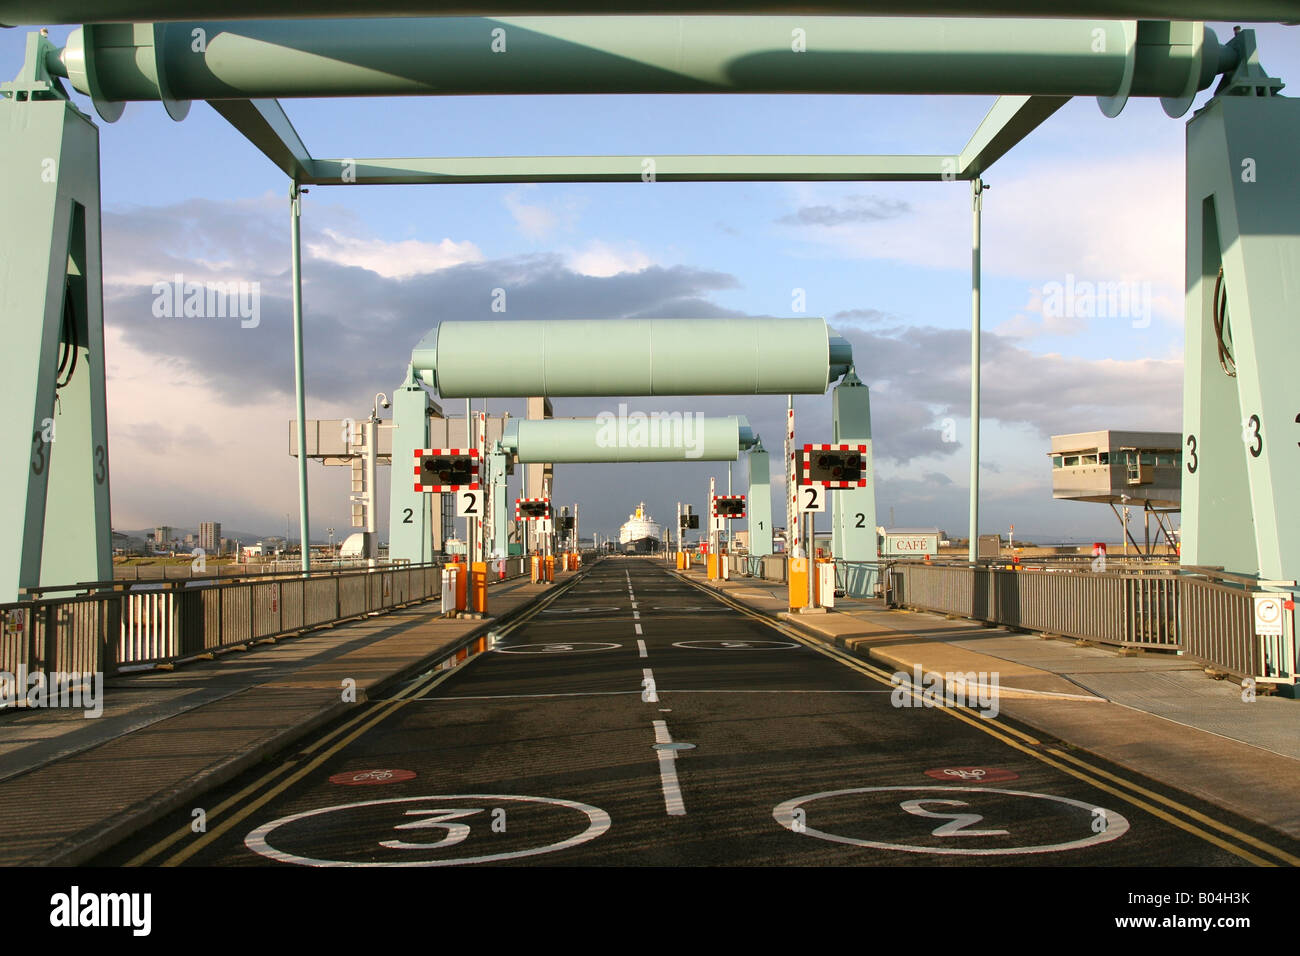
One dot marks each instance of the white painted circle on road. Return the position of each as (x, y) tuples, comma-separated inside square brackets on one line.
[(1116, 824), (557, 647), (597, 823), (736, 645)]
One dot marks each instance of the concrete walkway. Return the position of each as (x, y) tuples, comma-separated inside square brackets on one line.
[(71, 787), (1155, 714)]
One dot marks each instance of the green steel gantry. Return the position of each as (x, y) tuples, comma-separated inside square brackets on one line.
[(1241, 397)]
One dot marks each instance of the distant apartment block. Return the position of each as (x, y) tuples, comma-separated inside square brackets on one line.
[(210, 537)]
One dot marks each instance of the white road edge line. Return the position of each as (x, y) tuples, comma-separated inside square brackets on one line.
[(641, 651), (668, 772)]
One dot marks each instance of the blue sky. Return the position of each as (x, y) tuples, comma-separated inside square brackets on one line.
[(1097, 198)]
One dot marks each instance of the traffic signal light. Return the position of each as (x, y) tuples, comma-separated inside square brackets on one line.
[(690, 521), (566, 523), (532, 509), (446, 469), (728, 506), (833, 466)]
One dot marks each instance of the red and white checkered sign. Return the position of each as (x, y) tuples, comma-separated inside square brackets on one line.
[(804, 466), (520, 516), (432, 478), (729, 498)]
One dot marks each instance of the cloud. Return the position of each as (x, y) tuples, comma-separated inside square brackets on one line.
[(857, 209), (1049, 221), (539, 220), (862, 315), (602, 259), (392, 260)]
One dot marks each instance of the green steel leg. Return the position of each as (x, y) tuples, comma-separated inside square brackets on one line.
[(977, 203), (299, 384), (853, 510), (760, 503), (1241, 451), (55, 525), (410, 512)]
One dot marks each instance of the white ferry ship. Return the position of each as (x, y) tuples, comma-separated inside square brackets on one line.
[(640, 533)]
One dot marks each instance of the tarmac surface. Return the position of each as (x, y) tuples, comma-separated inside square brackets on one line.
[(637, 719)]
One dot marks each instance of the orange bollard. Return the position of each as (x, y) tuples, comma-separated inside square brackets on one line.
[(798, 583), (462, 586), (478, 587), (550, 567)]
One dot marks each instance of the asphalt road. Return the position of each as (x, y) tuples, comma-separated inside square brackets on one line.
[(639, 720)]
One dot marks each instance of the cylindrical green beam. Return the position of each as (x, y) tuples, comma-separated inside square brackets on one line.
[(600, 357), (651, 54), (624, 436), (41, 12)]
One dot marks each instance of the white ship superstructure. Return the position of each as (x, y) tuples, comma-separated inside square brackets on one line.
[(640, 532)]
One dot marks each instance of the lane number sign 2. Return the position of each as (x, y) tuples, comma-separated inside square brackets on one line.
[(469, 503), (812, 498)]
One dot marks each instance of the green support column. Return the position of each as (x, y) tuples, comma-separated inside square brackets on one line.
[(54, 477), (760, 502), (1241, 451), (853, 510), (410, 512)]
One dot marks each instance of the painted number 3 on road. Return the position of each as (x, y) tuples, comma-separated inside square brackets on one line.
[(438, 830)]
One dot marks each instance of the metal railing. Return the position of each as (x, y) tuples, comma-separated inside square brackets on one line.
[(121, 625), (1199, 613), (186, 570)]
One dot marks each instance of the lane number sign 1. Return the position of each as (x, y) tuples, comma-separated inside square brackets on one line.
[(469, 503), (812, 498)]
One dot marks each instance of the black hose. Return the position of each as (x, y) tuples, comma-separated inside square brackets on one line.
[(68, 356), (1222, 328)]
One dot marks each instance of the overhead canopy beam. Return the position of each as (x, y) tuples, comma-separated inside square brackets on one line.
[(1010, 120), (40, 12), (264, 124), (629, 169)]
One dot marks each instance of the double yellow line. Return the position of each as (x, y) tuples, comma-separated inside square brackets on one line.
[(1188, 819), (342, 735)]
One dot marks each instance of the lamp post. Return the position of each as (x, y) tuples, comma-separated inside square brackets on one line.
[(372, 457)]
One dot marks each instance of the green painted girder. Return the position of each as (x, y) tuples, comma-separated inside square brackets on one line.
[(631, 169), (36, 12), (629, 437), (602, 357), (264, 124), (262, 59)]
